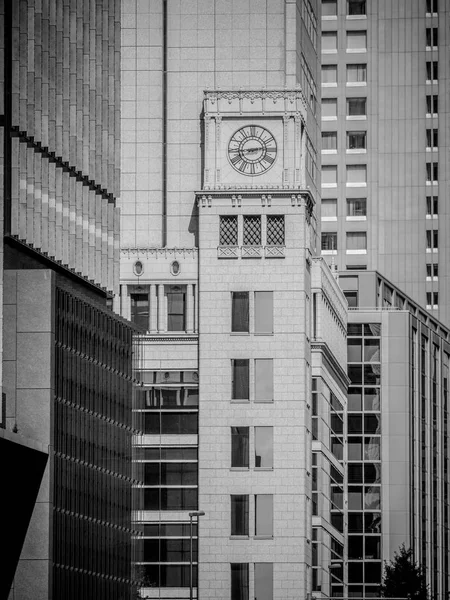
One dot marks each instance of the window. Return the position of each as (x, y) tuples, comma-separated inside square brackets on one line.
[(356, 175), (356, 41), (356, 107), (329, 209), (329, 74), (432, 36), (252, 230), (240, 447), (228, 231), (356, 140), (356, 207), (329, 176), (263, 581), (264, 380), (356, 7), (239, 515), (170, 423), (356, 241), (239, 312), (432, 171), (264, 312), (263, 447), (432, 6), (264, 515), (176, 299), (432, 206), (329, 8), (356, 73), (329, 108), (239, 581), (352, 298), (432, 70), (432, 105), (275, 230), (432, 300), (432, 138), (240, 379), (329, 240), (169, 499), (432, 239), (329, 140), (329, 41), (432, 271), (139, 310)]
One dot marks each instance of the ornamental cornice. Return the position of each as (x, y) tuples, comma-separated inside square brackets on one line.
[(159, 252), (289, 94)]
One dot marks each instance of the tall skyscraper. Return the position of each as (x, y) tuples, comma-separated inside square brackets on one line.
[(67, 372), (384, 144)]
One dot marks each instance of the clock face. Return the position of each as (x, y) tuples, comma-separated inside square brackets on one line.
[(252, 150)]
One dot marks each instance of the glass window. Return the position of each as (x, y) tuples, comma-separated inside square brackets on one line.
[(355, 522), (170, 499), (252, 230), (329, 241), (355, 547), (432, 205), (329, 140), (357, 73), (432, 70), (264, 515), (354, 350), (263, 380), (432, 36), (240, 379), (175, 423), (264, 312), (355, 497), (372, 350), (352, 298), (239, 514), (329, 175), (356, 174), (432, 6), (228, 235), (372, 399), (139, 310), (329, 74), (239, 312), (239, 581), (354, 399), (263, 447), (432, 138), (329, 41), (354, 423), (356, 40), (329, 208), (355, 571), (356, 240), (329, 108), (275, 230), (176, 299), (355, 445), (356, 107), (432, 104), (240, 447), (356, 207), (329, 8), (356, 7), (356, 140), (263, 581)]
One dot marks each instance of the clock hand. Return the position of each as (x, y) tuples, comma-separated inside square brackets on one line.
[(248, 150)]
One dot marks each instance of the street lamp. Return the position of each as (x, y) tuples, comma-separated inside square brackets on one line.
[(195, 513)]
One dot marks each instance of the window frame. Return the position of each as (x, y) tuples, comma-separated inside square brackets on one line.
[(357, 67)]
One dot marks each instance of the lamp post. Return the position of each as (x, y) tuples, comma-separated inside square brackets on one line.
[(195, 513)]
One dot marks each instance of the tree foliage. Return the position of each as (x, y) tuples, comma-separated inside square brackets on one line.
[(403, 578)]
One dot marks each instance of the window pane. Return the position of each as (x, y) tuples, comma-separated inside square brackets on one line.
[(356, 40), (356, 107), (354, 350), (240, 447), (329, 73), (329, 241), (329, 208), (329, 175), (252, 230), (175, 309), (356, 140), (275, 230), (356, 207), (239, 515), (329, 41), (263, 447), (264, 380), (239, 312), (239, 581), (264, 515), (356, 7), (228, 231), (263, 312), (329, 8), (329, 107), (356, 73), (139, 310), (356, 173), (329, 140), (240, 379), (263, 581), (357, 240)]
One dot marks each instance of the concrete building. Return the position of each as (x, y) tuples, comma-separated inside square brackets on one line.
[(67, 359), (397, 434), (384, 145)]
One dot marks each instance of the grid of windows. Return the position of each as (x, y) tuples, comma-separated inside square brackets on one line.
[(364, 459)]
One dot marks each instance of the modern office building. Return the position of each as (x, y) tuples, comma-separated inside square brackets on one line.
[(67, 359), (397, 487), (384, 143)]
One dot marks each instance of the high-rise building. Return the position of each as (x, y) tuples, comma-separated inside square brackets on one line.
[(384, 142), (67, 359)]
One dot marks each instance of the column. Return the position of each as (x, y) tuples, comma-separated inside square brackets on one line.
[(153, 310), (196, 309), (189, 308), (161, 309)]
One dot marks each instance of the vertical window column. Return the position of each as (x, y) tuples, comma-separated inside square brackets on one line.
[(189, 308), (161, 309), (153, 319), (126, 303)]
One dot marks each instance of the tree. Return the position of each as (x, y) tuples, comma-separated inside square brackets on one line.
[(403, 578)]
